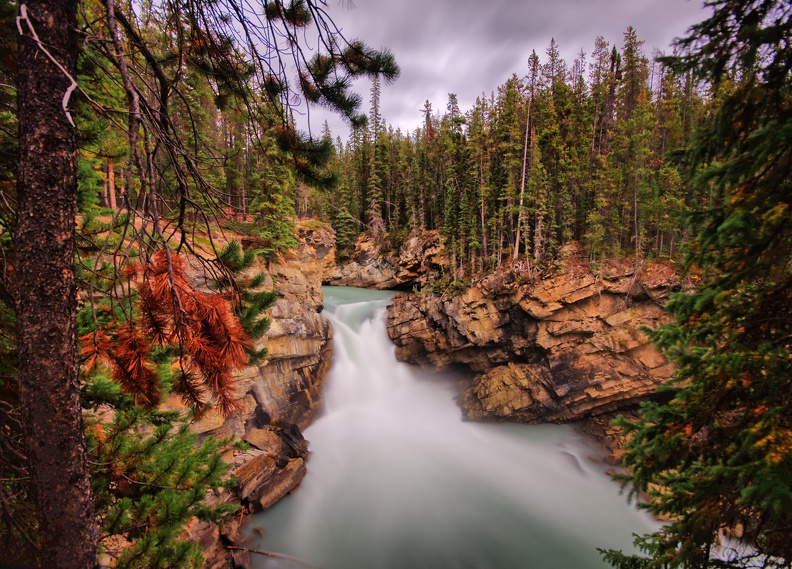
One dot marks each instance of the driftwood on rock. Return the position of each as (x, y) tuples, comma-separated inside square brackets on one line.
[(280, 556)]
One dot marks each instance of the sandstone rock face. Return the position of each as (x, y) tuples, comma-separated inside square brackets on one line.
[(299, 341), (552, 349), (280, 396), (274, 466), (263, 481), (287, 387), (421, 258)]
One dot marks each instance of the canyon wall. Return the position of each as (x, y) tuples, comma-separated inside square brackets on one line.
[(281, 396), (550, 348)]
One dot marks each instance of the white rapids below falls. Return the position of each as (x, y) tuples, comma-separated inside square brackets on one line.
[(397, 480)]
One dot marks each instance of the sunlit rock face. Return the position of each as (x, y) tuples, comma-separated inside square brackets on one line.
[(287, 387), (421, 257), (557, 348)]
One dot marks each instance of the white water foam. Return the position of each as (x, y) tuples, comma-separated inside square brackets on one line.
[(397, 480)]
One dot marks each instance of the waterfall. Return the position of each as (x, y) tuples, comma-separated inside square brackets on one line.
[(397, 480)]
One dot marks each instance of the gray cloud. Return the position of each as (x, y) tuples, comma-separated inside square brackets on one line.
[(470, 47)]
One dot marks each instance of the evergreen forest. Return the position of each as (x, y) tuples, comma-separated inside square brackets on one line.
[(181, 124), (561, 151)]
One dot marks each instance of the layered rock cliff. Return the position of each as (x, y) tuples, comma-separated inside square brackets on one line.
[(286, 388), (421, 259), (281, 396), (546, 349)]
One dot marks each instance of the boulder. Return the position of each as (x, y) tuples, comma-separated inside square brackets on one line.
[(279, 441), (266, 479)]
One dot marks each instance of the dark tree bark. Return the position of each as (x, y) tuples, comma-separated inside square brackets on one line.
[(46, 291)]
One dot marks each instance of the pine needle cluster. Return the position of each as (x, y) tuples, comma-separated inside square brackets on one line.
[(148, 481), (150, 476), (206, 338)]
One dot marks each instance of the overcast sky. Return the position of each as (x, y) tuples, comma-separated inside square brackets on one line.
[(470, 47)]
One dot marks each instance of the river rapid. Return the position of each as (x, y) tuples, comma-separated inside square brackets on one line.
[(397, 480)]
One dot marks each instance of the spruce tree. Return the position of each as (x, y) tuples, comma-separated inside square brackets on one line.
[(717, 457), (374, 212)]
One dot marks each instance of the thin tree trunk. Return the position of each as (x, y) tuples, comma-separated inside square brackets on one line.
[(638, 243), (104, 199), (111, 194), (500, 248), (422, 209), (229, 186), (538, 238), (46, 292), (482, 211), (520, 213)]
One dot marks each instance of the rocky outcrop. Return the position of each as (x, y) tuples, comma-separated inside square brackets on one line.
[(273, 467), (552, 349), (280, 396), (418, 262), (287, 387)]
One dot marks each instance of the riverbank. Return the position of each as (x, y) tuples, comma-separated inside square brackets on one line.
[(562, 345), (398, 478)]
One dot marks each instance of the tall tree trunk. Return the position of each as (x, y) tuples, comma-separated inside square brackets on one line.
[(104, 200), (483, 213), (636, 225), (520, 213), (538, 237), (46, 292)]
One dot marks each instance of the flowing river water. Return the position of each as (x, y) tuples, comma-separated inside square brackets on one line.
[(397, 480)]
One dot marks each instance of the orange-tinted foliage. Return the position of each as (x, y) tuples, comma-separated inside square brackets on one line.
[(210, 340)]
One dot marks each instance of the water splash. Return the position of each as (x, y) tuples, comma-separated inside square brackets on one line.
[(397, 480)]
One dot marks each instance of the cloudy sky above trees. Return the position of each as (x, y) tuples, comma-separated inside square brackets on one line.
[(470, 47)]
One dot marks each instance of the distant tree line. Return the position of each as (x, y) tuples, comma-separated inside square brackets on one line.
[(566, 152)]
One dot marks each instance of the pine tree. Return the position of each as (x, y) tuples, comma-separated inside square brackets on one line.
[(46, 300), (149, 474), (179, 64), (601, 175), (718, 456), (533, 77), (150, 477), (374, 211)]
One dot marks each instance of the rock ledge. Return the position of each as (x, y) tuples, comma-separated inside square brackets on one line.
[(546, 350)]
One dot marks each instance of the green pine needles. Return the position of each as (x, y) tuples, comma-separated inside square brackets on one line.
[(716, 459), (149, 480), (253, 300), (150, 474)]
